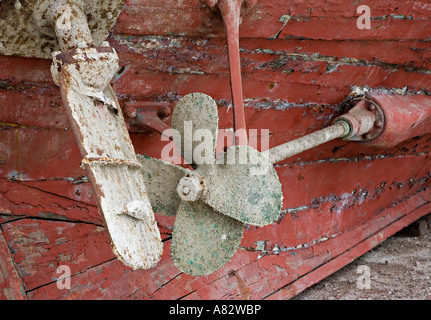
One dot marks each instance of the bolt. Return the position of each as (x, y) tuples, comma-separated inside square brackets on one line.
[(371, 107), (367, 136), (130, 112), (378, 123), (190, 187), (186, 190), (208, 23), (164, 112), (167, 111)]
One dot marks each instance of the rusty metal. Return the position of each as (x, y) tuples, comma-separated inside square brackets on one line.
[(404, 117), (375, 119), (231, 13), (149, 115), (191, 187), (87, 62), (27, 28), (64, 14), (363, 122), (365, 119), (112, 161), (243, 185)]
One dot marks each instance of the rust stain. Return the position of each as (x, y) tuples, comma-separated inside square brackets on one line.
[(243, 288)]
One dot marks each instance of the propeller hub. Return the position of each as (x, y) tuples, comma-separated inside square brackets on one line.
[(191, 187)]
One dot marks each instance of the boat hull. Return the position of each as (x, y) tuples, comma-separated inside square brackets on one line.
[(341, 199)]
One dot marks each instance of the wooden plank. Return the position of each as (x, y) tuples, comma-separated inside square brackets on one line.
[(43, 201), (340, 161), (322, 20), (35, 154), (41, 246), (252, 273), (285, 268), (348, 256), (340, 207), (112, 280), (26, 70), (209, 56), (11, 285), (269, 71), (21, 108)]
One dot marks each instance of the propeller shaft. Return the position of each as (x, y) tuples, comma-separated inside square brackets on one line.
[(291, 148)]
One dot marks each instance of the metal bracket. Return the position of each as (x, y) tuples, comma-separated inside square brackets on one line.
[(366, 120), (149, 115), (231, 13)]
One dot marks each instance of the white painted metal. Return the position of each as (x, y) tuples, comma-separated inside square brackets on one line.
[(84, 75), (191, 187), (291, 148)]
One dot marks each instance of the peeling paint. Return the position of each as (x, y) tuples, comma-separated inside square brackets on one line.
[(315, 61)]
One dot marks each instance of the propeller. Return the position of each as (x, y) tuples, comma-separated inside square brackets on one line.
[(214, 201)]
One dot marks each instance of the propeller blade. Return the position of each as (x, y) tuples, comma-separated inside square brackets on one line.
[(196, 117), (161, 180), (244, 185), (203, 240)]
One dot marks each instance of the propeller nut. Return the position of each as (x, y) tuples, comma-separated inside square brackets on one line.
[(191, 187)]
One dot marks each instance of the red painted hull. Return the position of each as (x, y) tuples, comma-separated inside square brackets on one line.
[(340, 199)]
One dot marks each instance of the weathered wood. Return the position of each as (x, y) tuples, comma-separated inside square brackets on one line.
[(108, 154), (41, 246), (242, 277), (348, 256), (321, 20), (295, 77), (54, 199), (11, 286)]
